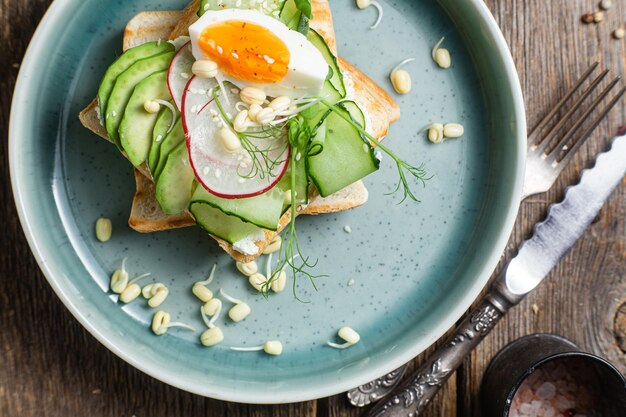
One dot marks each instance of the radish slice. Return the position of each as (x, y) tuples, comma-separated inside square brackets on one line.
[(224, 174), (179, 73)]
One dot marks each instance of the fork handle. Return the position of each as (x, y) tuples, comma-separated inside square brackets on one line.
[(426, 381)]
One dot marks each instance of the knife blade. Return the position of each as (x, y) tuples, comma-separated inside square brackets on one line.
[(564, 225), (567, 221)]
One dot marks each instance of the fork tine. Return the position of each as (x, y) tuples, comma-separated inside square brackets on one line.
[(579, 142), (541, 125), (553, 153), (545, 141)]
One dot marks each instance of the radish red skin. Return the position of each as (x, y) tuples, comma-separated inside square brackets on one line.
[(198, 173)]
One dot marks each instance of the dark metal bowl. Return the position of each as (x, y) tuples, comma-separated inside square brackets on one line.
[(515, 362)]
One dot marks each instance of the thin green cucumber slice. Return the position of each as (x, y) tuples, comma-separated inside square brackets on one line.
[(160, 131), (263, 210), (337, 77), (355, 111), (346, 156), (122, 63), (268, 7), (314, 115), (137, 124), (168, 144), (290, 15), (124, 87), (174, 186), (221, 225)]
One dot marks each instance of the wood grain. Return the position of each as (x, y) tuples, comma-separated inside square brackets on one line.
[(50, 366)]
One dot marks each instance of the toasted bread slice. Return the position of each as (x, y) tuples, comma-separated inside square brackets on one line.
[(149, 26), (146, 215), (90, 118), (188, 17)]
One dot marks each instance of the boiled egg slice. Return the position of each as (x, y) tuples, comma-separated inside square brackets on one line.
[(252, 49)]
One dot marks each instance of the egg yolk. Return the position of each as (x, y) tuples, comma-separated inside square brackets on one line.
[(246, 51)]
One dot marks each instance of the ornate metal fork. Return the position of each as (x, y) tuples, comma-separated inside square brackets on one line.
[(548, 153)]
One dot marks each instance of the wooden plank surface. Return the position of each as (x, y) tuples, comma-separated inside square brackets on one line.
[(50, 366)]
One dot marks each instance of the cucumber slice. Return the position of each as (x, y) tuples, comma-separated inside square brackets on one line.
[(355, 111), (123, 89), (337, 77), (122, 63), (315, 114), (290, 15), (219, 224), (173, 189), (345, 158), (160, 131), (263, 210), (272, 5), (169, 143), (137, 124)]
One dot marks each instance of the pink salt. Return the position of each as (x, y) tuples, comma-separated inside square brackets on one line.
[(563, 389), (546, 391)]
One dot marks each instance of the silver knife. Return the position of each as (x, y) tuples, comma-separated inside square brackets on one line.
[(565, 224)]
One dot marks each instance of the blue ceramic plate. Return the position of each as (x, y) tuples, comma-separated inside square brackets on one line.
[(401, 278)]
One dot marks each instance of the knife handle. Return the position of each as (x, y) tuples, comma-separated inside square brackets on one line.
[(426, 381)]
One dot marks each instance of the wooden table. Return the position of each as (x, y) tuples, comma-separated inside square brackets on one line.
[(50, 366)]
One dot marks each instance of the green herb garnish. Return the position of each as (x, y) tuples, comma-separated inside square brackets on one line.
[(290, 253)]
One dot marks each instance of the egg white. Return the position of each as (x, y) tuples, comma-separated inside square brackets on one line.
[(307, 69)]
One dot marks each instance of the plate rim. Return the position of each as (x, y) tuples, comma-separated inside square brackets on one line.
[(51, 18)]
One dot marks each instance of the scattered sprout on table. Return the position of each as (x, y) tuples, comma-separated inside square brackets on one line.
[(441, 56), (119, 279), (271, 347), (239, 311), (257, 281), (248, 268), (149, 290), (438, 132), (213, 335), (159, 297), (364, 4), (349, 335), (161, 322), (278, 278), (401, 79), (212, 307), (200, 288), (104, 229), (133, 290), (453, 130)]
